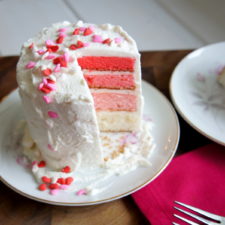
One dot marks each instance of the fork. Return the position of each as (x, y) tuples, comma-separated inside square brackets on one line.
[(216, 219)]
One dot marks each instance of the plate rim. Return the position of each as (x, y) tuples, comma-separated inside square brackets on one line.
[(86, 203), (173, 98)]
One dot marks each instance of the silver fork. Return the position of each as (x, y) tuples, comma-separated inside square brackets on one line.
[(217, 219)]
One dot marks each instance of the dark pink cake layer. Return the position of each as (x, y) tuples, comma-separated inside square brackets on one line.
[(115, 81), (107, 63), (115, 102)]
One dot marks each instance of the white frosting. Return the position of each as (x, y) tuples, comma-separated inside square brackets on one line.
[(72, 138), (122, 152)]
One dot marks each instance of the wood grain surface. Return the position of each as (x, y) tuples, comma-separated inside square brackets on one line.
[(157, 68)]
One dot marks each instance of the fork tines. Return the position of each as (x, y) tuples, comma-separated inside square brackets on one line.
[(200, 211)]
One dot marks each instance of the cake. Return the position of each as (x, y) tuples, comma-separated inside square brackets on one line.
[(80, 84)]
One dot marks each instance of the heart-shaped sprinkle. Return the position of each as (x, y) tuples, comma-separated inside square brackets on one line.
[(69, 180), (30, 65), (46, 72), (97, 38), (42, 187), (54, 186), (46, 180), (66, 169), (76, 31), (47, 99), (118, 40), (53, 115), (60, 40), (41, 164), (87, 31), (107, 41), (81, 192)]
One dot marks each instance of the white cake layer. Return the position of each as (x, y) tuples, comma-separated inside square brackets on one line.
[(118, 120)]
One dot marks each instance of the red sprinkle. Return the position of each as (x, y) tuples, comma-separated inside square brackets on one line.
[(107, 41), (76, 31), (52, 48), (66, 169), (47, 72), (60, 40), (80, 44), (88, 31), (45, 89), (61, 181), (31, 46), (60, 60), (46, 179), (69, 180), (42, 187), (54, 186), (50, 81), (42, 164), (73, 47)]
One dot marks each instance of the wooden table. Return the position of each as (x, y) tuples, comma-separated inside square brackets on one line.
[(157, 68)]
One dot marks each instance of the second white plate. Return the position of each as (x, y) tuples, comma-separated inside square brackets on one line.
[(196, 93), (165, 134)]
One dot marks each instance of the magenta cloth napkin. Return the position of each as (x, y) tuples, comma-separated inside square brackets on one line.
[(196, 178)]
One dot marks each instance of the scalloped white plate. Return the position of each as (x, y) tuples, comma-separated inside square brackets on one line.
[(197, 95), (165, 133)]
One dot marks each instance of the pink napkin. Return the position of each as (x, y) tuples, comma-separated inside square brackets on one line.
[(196, 178)]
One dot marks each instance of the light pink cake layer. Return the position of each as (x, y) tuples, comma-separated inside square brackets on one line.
[(115, 102), (115, 81)]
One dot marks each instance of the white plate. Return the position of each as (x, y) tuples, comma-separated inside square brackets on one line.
[(196, 93), (165, 133)]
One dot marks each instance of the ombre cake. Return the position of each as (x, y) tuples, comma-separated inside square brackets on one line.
[(80, 84)]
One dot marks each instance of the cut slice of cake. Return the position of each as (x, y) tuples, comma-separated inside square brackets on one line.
[(76, 81)]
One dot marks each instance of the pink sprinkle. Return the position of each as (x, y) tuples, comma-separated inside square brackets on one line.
[(57, 68), (47, 99), (45, 81), (91, 27), (62, 30), (41, 52), (82, 28), (53, 114), (63, 187), (33, 164), (52, 87), (30, 65), (118, 40), (66, 57), (62, 35), (97, 38), (51, 148), (54, 192), (49, 42), (86, 44), (40, 86), (81, 192), (50, 56)]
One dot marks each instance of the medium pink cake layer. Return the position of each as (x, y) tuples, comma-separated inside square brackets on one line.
[(107, 63), (115, 81), (115, 102)]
